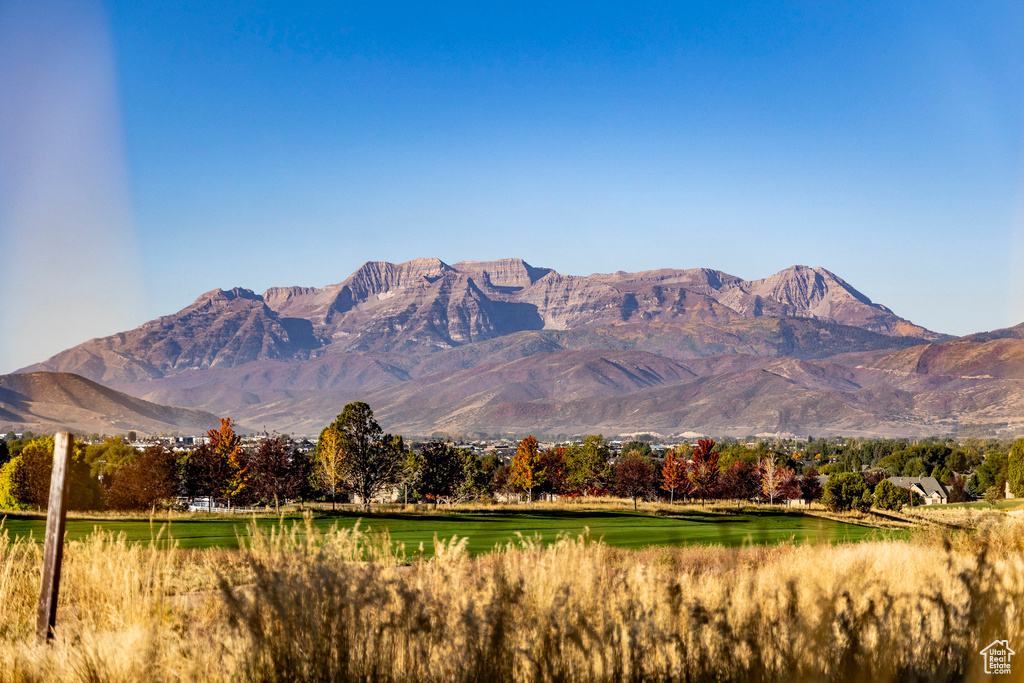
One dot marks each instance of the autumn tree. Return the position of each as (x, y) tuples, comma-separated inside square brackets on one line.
[(27, 477), (704, 469), (673, 474), (552, 461), (635, 476), (527, 472), (327, 467), (203, 473), (774, 477), (810, 485), (587, 471), (149, 481), (371, 461), (227, 447), (739, 481), (500, 480), (277, 470)]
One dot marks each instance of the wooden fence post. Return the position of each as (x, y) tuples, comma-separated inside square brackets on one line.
[(53, 552)]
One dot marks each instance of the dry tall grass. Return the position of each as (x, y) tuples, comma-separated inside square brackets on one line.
[(344, 605)]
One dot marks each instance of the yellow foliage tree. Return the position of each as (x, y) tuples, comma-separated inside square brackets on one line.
[(327, 467)]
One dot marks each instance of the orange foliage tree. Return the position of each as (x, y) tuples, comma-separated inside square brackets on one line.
[(673, 474), (526, 466), (227, 448)]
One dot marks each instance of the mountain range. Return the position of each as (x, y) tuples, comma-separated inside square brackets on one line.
[(505, 347)]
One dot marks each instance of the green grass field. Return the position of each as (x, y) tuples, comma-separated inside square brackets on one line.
[(485, 530)]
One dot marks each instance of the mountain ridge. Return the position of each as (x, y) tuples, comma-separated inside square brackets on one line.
[(424, 305), (467, 345)]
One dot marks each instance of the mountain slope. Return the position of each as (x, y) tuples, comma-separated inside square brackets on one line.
[(504, 346), (425, 306), (47, 401)]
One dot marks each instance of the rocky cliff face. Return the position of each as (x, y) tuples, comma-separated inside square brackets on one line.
[(426, 302), (425, 305)]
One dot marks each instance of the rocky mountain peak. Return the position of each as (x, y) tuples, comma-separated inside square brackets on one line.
[(509, 272), (380, 277), (221, 296)]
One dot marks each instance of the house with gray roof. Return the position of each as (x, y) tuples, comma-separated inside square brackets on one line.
[(931, 490)]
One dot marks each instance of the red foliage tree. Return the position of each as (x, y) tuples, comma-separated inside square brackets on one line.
[(810, 487), (552, 461), (635, 476), (739, 481), (704, 469), (149, 481), (276, 470)]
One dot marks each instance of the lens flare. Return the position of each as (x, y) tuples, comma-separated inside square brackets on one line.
[(70, 267)]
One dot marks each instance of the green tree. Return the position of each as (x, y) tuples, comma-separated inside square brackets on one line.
[(1015, 468), (994, 494), (888, 496), (844, 491), (992, 471), (640, 447), (5, 454), (108, 457), (527, 472), (476, 474), (371, 461), (442, 471), (587, 471)]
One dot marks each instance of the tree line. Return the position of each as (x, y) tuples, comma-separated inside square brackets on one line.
[(356, 460)]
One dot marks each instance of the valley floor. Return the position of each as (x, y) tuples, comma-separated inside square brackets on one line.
[(485, 528)]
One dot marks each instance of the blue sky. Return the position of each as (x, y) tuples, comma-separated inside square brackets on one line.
[(270, 143)]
